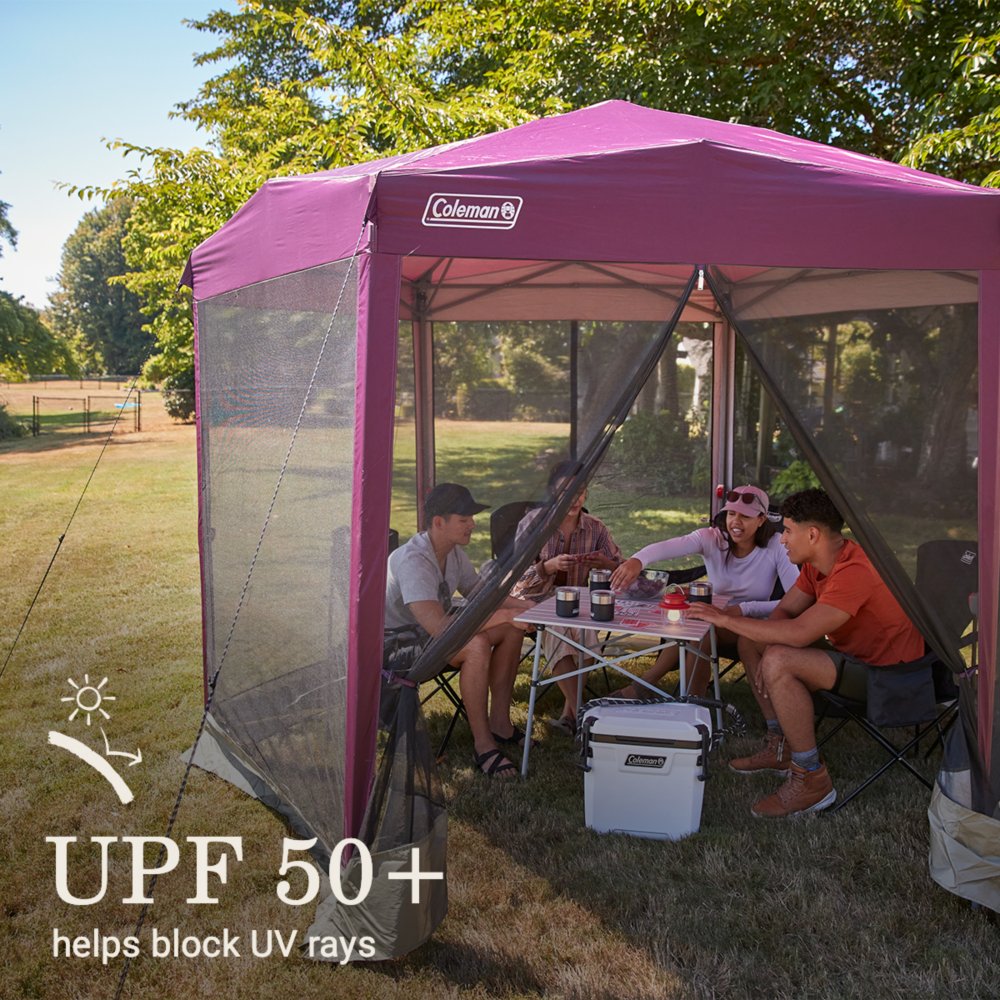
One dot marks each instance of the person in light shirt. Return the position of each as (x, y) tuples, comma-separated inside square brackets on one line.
[(423, 575), (744, 562)]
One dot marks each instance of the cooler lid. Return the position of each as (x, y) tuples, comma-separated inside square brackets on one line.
[(655, 721)]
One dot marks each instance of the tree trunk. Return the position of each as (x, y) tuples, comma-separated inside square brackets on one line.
[(829, 374), (666, 398), (943, 461)]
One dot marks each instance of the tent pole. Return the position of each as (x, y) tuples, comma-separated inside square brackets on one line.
[(723, 406), (423, 399), (989, 518), (574, 394)]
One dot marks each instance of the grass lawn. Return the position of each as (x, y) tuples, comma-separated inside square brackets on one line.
[(501, 462), (831, 907)]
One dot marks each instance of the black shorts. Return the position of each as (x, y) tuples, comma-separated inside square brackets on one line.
[(852, 675)]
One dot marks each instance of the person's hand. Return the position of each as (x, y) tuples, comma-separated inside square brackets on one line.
[(624, 576), (560, 563), (707, 613), (598, 560), (733, 610)]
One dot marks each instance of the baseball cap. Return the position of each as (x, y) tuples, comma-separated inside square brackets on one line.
[(751, 501), (450, 498)]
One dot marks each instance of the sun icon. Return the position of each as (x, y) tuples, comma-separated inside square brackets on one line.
[(88, 698)]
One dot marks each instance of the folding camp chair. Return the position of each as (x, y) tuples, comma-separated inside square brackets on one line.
[(400, 647), (921, 694), (443, 682), (503, 530), (503, 526)]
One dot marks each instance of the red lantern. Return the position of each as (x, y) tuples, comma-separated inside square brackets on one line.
[(674, 603)]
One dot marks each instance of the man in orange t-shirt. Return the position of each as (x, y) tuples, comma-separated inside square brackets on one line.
[(838, 595)]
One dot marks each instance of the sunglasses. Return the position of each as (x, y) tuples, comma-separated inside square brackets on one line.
[(734, 496)]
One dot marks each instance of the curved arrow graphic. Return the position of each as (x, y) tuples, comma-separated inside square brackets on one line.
[(133, 758), (96, 761)]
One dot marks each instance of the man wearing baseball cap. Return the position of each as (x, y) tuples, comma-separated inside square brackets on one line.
[(838, 595), (423, 576)]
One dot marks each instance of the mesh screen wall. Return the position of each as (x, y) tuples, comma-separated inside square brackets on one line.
[(276, 415), (885, 389)]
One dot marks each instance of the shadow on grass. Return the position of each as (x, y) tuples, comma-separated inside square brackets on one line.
[(813, 906), (465, 966), (64, 440)]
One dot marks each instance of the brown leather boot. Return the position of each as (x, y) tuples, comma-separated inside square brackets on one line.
[(803, 792), (772, 758)]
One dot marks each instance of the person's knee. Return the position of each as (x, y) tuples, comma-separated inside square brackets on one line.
[(475, 652), (503, 634), (777, 664), (511, 634), (790, 665)]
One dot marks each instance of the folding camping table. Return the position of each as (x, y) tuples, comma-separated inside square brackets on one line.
[(632, 618)]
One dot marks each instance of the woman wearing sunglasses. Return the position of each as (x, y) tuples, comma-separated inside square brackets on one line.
[(744, 560)]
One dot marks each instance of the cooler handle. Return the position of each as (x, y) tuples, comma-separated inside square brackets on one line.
[(583, 735), (706, 744)]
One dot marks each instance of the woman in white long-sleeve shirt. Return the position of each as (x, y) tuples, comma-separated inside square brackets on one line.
[(743, 562)]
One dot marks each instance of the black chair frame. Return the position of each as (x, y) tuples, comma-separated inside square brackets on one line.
[(443, 682), (924, 693), (850, 710)]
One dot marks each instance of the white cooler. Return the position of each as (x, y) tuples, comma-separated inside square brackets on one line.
[(645, 768)]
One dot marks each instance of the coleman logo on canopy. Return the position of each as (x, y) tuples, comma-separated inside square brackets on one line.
[(472, 211)]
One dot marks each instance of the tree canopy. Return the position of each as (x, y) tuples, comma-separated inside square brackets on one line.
[(90, 306), (27, 345), (961, 131), (8, 234), (312, 84)]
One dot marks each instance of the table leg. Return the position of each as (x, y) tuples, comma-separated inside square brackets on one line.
[(715, 674), (531, 700)]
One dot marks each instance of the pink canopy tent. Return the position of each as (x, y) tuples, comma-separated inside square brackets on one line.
[(615, 212)]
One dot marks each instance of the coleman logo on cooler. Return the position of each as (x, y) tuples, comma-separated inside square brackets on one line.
[(472, 211), (642, 760)]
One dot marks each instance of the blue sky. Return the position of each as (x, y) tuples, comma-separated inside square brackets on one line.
[(75, 72)]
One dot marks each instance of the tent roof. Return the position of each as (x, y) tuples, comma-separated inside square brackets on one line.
[(615, 182)]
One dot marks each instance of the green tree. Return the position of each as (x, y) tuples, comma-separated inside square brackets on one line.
[(8, 234), (463, 357), (91, 304), (307, 85), (27, 345), (962, 126)]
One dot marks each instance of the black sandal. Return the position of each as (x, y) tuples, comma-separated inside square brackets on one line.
[(496, 768), (516, 739)]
